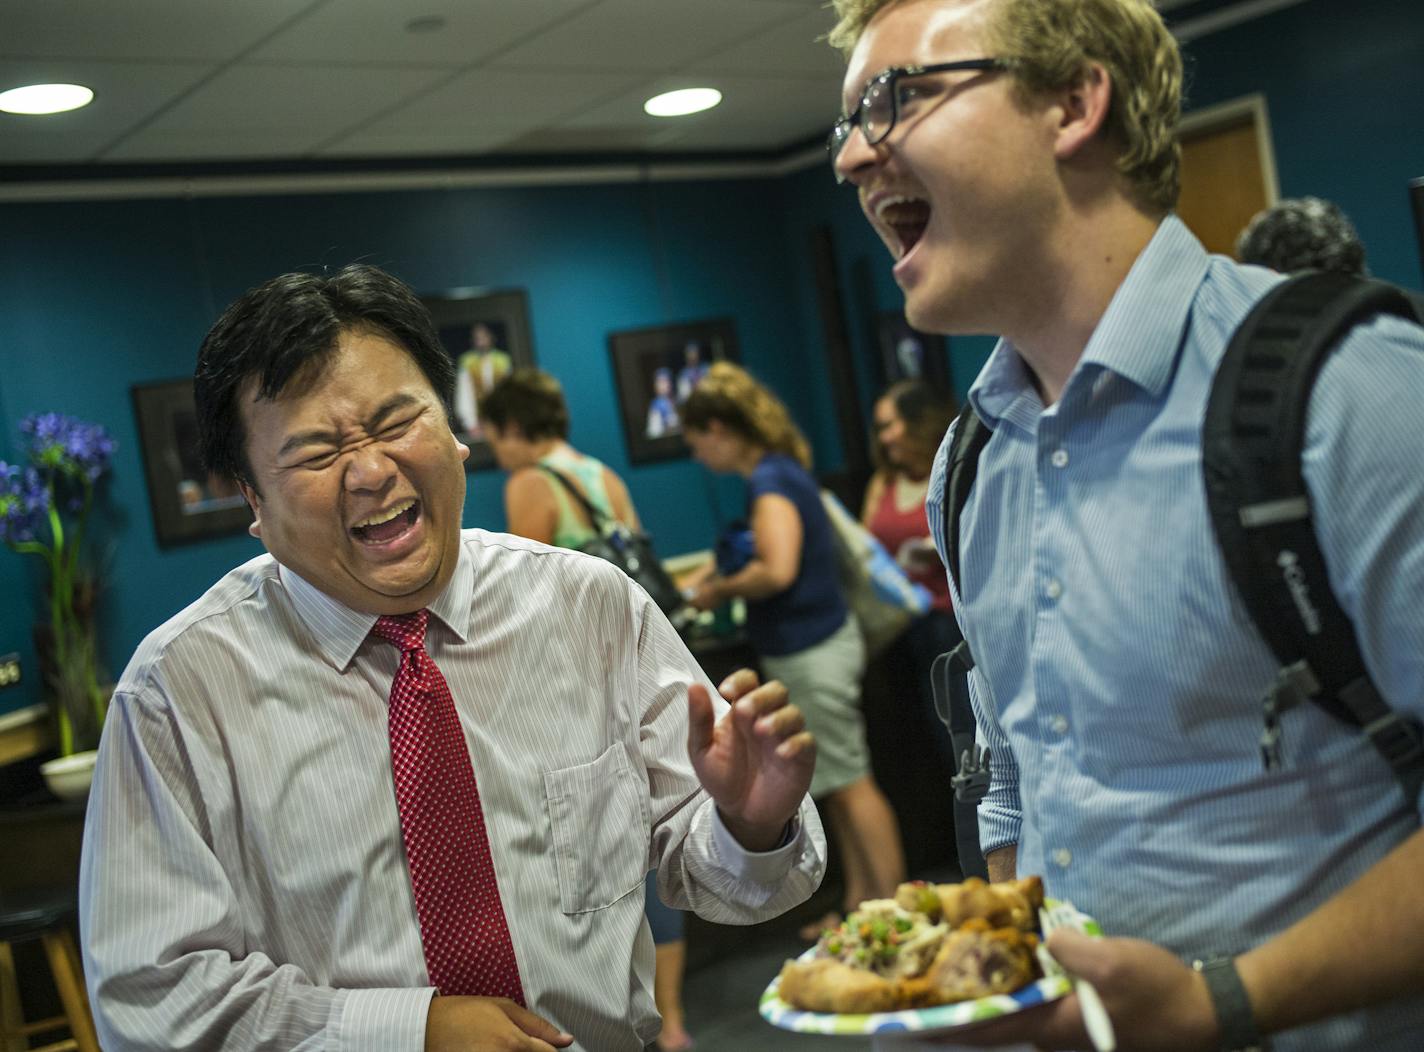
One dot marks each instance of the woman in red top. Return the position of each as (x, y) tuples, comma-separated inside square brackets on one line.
[(910, 421)]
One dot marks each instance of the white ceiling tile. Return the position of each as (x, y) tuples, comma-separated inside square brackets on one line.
[(374, 30), (388, 141), (217, 144), (285, 79), (645, 34), (504, 97), (125, 93), (141, 29), (255, 96), (793, 102), (589, 141), (791, 47)]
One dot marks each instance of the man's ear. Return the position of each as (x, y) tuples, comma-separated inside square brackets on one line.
[(1083, 110), (254, 501)]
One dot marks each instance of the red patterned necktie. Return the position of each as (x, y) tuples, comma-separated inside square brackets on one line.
[(462, 924)]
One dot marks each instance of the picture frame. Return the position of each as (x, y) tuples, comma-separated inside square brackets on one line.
[(188, 504), (905, 353), (487, 334), (654, 369)]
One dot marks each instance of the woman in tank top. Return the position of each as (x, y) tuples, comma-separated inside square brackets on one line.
[(526, 421), (910, 420)]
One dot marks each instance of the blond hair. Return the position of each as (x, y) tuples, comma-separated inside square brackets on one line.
[(1050, 44), (730, 395)]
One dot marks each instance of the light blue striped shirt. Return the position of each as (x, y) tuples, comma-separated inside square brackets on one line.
[(1119, 679), (244, 885)]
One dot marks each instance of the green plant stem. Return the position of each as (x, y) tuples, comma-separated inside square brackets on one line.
[(73, 683)]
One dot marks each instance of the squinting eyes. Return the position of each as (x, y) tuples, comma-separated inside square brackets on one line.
[(326, 458)]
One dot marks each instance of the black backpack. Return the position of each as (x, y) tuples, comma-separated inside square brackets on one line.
[(1252, 438)]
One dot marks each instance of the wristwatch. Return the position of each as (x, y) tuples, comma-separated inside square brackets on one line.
[(1233, 1007)]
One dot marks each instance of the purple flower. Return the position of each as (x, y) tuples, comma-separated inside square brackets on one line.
[(24, 499), (68, 445)]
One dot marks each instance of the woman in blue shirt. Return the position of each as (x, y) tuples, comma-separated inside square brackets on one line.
[(797, 618)]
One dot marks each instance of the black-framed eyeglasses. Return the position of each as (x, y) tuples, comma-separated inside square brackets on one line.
[(879, 106)]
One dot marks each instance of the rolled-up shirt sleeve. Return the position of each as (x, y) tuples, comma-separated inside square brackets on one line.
[(1000, 812), (165, 952), (700, 865)]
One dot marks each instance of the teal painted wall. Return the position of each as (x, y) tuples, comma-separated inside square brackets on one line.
[(1344, 86), (99, 296)]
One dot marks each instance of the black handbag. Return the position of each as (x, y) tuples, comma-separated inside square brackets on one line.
[(629, 550)]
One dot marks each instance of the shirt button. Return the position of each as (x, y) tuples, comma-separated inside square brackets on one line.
[(1063, 857), (1054, 589), (1059, 724), (1059, 458)]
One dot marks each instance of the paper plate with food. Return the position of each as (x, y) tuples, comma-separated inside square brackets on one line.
[(936, 956)]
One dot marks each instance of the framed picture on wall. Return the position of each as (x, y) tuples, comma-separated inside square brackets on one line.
[(188, 504), (487, 335), (655, 370), (908, 354)]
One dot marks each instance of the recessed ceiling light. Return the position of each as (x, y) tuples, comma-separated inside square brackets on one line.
[(682, 102), (45, 98)]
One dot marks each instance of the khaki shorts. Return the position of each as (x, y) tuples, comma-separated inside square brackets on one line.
[(824, 683)]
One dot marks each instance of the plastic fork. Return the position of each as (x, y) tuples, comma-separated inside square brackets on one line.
[(1057, 915)]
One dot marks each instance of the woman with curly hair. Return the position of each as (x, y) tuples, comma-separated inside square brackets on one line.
[(784, 567)]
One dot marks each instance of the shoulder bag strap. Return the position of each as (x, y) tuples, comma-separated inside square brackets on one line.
[(596, 517)]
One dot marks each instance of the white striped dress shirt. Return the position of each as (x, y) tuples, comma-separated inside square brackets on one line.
[(244, 884), (1119, 679)]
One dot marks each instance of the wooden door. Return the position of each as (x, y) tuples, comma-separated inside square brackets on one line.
[(1225, 176)]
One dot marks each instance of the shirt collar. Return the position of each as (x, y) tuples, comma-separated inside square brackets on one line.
[(1137, 337), (339, 631)]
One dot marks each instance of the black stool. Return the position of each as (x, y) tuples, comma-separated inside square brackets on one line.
[(44, 914)]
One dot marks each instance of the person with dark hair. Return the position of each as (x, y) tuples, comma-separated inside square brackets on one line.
[(478, 370), (395, 785), (527, 422), (1308, 233), (662, 410), (1302, 233), (694, 368), (782, 562), (1020, 161), (910, 420)]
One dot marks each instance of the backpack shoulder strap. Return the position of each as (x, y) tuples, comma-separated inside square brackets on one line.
[(1252, 439), (950, 675), (970, 436)]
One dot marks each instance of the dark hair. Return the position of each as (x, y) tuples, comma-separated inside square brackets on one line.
[(927, 413), (530, 398), (285, 331), (1303, 233)]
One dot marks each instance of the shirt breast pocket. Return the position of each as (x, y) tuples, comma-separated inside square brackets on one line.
[(598, 815)]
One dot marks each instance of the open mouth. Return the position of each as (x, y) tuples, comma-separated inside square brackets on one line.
[(907, 217), (389, 524)]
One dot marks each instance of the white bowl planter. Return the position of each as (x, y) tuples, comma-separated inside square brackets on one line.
[(68, 777)]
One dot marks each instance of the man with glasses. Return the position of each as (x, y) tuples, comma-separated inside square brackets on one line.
[(1019, 160)]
